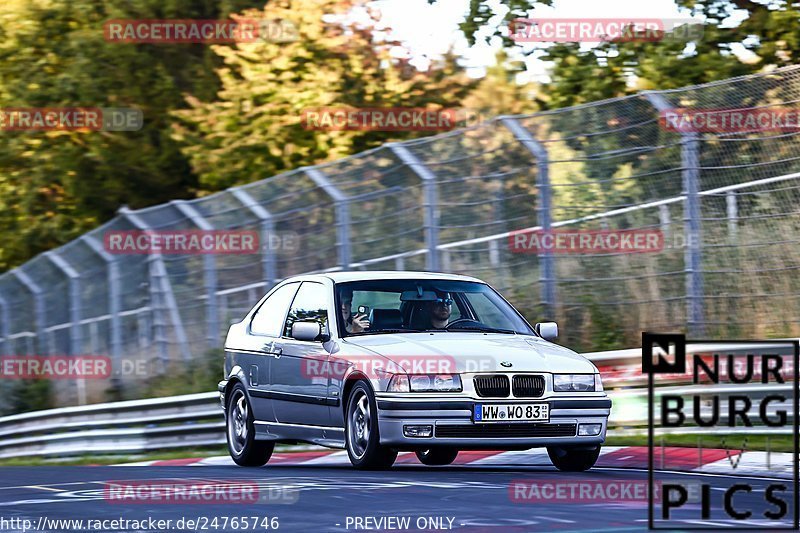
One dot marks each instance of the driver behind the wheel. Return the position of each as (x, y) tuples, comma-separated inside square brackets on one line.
[(440, 311)]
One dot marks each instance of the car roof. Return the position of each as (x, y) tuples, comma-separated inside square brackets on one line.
[(358, 275)]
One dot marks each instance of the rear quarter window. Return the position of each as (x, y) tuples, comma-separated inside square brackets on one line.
[(268, 320)]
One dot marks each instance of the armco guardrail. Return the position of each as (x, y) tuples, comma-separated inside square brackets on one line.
[(120, 427), (195, 420)]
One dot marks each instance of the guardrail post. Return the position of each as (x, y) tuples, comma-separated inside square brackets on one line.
[(38, 307), (209, 273), (112, 276), (700, 451), (342, 203), (74, 288), (769, 466), (690, 175), (160, 287), (547, 275), (5, 324), (430, 203), (270, 271)]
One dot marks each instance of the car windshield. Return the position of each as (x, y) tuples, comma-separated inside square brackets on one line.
[(412, 305)]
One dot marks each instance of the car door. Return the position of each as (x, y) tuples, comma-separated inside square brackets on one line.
[(264, 337), (299, 376)]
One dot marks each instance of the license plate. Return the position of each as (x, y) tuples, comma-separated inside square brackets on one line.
[(523, 412)]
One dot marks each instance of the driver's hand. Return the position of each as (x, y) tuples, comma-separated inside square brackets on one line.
[(360, 323)]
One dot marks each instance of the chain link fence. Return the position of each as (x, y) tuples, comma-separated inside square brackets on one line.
[(724, 202)]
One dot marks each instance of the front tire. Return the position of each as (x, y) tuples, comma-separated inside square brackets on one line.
[(361, 431), (573, 459), (437, 456), (245, 450)]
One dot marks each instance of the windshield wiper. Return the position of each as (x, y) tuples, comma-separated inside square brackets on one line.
[(387, 330), (485, 329)]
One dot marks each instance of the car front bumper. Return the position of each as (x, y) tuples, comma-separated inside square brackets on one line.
[(452, 424)]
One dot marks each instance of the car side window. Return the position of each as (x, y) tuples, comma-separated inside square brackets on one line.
[(268, 320), (310, 305)]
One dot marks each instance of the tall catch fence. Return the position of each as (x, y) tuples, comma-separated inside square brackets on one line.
[(726, 204)]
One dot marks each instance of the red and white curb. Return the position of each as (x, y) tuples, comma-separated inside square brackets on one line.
[(716, 461)]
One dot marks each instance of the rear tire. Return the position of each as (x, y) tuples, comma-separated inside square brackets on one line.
[(572, 459), (245, 450), (437, 456), (361, 431)]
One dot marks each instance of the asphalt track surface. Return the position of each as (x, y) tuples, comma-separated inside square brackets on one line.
[(475, 498)]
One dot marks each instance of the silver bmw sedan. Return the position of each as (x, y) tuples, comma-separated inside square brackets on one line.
[(382, 362)]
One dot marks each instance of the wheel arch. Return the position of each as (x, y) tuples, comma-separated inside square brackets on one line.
[(235, 376), (350, 382)]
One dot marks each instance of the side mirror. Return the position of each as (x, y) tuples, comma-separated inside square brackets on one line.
[(546, 330), (306, 331)]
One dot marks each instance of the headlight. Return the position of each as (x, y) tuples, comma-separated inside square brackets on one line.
[(435, 383), (425, 383), (574, 382), (398, 383), (598, 383)]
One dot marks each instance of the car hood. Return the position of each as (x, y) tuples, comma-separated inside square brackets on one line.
[(473, 352)]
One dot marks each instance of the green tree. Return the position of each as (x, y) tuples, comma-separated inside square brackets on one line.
[(768, 36), (254, 129), (56, 185)]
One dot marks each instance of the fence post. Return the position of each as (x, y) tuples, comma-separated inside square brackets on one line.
[(664, 222), (112, 276), (74, 288), (431, 202), (75, 345), (690, 176), (497, 216), (5, 318), (445, 261), (38, 307), (209, 273), (161, 288), (547, 275), (268, 266), (733, 215), (342, 203)]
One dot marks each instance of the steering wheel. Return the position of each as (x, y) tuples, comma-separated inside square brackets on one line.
[(461, 320)]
